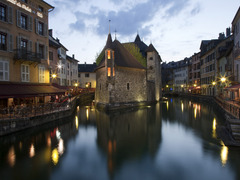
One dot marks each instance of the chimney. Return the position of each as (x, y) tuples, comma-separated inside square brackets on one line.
[(228, 32), (221, 36), (57, 40), (73, 56), (50, 32)]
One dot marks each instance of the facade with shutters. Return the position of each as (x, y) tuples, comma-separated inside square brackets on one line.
[(24, 41)]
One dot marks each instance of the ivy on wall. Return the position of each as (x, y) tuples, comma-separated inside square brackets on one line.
[(135, 51)]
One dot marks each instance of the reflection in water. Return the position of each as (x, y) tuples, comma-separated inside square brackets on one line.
[(195, 112), (76, 122), (49, 142), (32, 151), (58, 134), (214, 134), (87, 112), (55, 156), (11, 156), (182, 106), (224, 154), (167, 105), (60, 147)]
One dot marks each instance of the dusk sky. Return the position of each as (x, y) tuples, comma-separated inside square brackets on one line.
[(175, 27)]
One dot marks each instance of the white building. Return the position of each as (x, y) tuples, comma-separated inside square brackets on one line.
[(72, 71)]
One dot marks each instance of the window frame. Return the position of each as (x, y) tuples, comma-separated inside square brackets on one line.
[(24, 21), (4, 71), (25, 76), (3, 15), (3, 47)]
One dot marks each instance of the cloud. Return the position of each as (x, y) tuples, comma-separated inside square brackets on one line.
[(127, 20)]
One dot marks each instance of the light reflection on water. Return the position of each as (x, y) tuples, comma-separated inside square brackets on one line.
[(173, 140)]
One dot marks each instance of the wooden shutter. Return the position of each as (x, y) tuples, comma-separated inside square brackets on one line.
[(37, 49), (30, 45), (30, 23), (18, 42), (18, 18), (10, 43), (46, 53), (10, 15), (45, 26), (36, 26)]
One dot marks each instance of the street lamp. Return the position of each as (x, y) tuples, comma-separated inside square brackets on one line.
[(54, 76), (195, 85), (223, 79), (213, 83)]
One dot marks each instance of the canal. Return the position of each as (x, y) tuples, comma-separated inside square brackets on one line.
[(175, 139)]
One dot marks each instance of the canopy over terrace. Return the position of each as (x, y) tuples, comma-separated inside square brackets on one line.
[(15, 90)]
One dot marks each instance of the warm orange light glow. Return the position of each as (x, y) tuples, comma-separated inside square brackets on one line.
[(113, 71), (110, 147), (109, 72), (55, 156), (214, 134), (213, 83), (32, 151), (76, 122), (54, 75), (223, 79), (11, 157), (224, 154), (109, 54)]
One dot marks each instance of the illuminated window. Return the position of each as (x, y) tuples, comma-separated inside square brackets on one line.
[(109, 54), (113, 71), (109, 72)]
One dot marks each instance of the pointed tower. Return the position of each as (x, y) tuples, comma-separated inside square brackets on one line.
[(154, 70)]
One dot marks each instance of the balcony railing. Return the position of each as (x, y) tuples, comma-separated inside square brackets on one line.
[(20, 54)]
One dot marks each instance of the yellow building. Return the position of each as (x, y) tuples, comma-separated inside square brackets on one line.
[(24, 43)]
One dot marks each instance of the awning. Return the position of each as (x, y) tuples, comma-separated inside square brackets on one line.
[(13, 90), (233, 88)]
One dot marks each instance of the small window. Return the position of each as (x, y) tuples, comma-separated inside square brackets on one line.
[(109, 71), (128, 87), (3, 14), (87, 75), (4, 71), (3, 41), (23, 21), (23, 44), (25, 73), (51, 56), (40, 8), (79, 75), (41, 51), (24, 1), (151, 58), (109, 54), (40, 28)]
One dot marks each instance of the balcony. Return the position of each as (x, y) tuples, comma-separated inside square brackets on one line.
[(23, 55)]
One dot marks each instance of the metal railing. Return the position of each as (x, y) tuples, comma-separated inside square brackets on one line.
[(19, 112), (22, 54)]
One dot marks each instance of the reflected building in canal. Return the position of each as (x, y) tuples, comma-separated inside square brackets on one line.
[(133, 135)]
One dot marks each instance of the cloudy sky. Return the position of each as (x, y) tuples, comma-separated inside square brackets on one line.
[(175, 27)]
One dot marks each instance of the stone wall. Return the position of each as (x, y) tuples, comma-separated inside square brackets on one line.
[(130, 85)]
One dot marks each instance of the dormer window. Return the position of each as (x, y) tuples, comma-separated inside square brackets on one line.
[(109, 54)]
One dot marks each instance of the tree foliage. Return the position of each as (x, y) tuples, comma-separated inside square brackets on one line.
[(99, 57), (135, 51)]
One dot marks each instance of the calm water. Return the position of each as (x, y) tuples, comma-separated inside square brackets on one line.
[(172, 140)]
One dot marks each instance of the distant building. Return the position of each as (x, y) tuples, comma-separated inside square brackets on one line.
[(72, 71), (196, 76), (236, 47), (121, 78), (180, 72), (208, 66), (86, 75)]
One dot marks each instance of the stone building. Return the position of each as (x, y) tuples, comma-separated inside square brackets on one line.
[(121, 79)]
